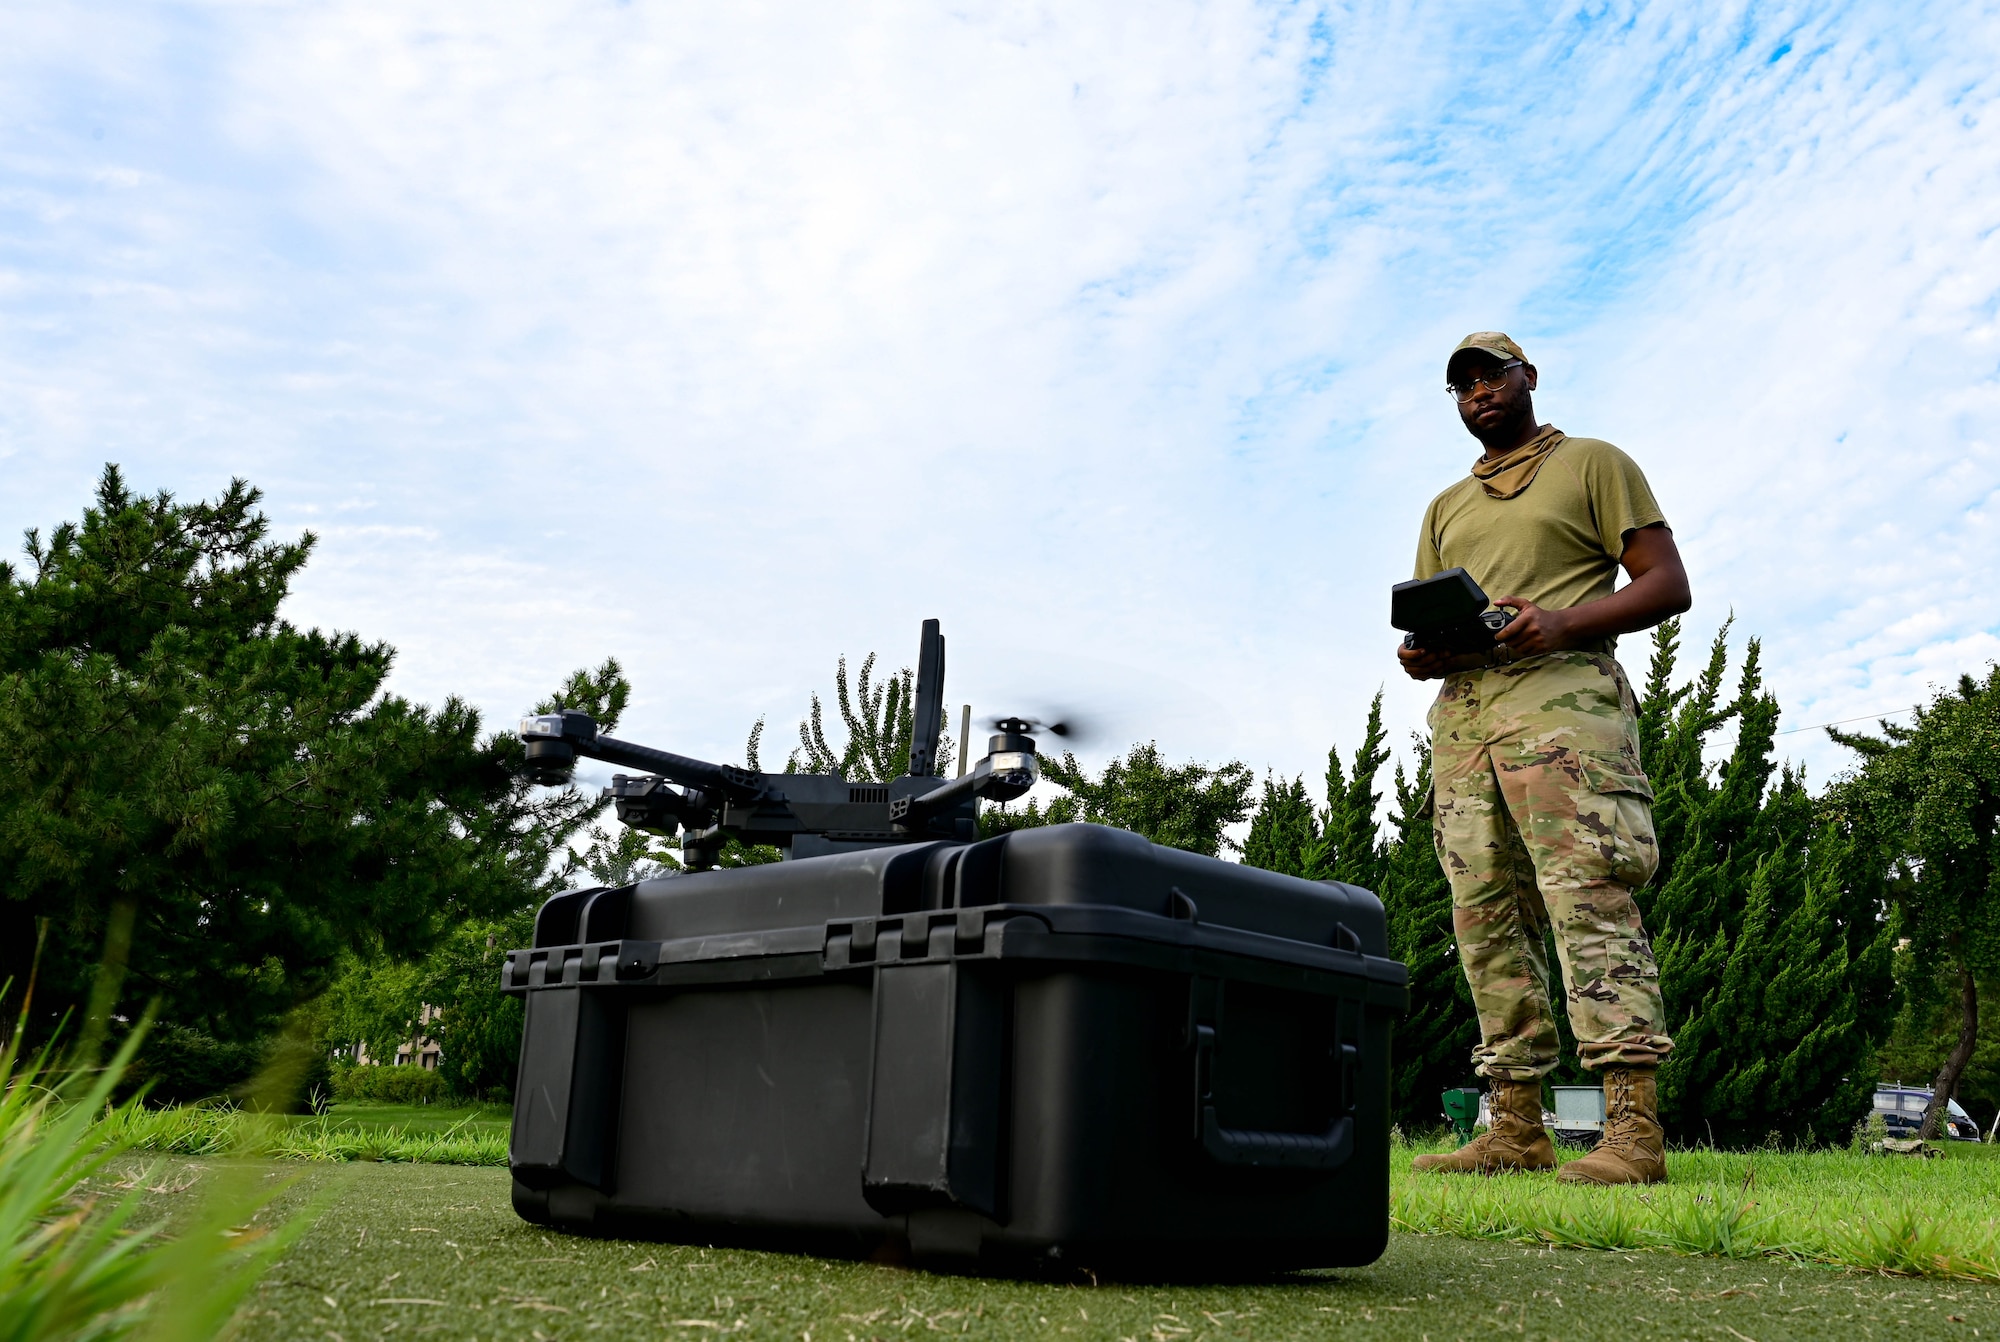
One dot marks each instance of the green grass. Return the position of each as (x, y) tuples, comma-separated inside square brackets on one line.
[(1931, 1218), (436, 1252), (421, 1117), (81, 1256), (406, 1134), (1896, 1214)]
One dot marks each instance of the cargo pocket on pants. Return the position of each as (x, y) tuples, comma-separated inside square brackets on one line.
[(1627, 811)]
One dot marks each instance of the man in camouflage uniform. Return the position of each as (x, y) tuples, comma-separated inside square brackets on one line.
[(1543, 814)]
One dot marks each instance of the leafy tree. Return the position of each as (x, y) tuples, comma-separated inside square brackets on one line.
[(1179, 806), (880, 721), (382, 997), (478, 1028), (372, 1007), (236, 799), (1925, 802), (451, 995), (1186, 806), (1001, 818), (1926, 1031), (379, 1003)]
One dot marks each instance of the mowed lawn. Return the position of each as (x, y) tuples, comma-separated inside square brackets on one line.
[(436, 1251), (1934, 1218)]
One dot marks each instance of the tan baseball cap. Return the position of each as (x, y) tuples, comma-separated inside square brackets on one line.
[(1496, 343)]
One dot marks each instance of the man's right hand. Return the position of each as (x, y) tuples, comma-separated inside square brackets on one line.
[(1422, 663)]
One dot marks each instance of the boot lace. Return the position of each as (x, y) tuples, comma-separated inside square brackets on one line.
[(1623, 1134)]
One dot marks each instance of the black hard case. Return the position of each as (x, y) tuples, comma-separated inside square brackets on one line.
[(1065, 1043)]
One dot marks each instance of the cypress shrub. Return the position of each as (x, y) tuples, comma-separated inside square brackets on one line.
[(1767, 916), (1432, 1047), (1774, 951), (1344, 841)]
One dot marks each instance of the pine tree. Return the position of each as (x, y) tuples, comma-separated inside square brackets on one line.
[(225, 801)]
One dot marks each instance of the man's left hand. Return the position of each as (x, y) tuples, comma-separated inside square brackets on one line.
[(1534, 630), (1659, 589)]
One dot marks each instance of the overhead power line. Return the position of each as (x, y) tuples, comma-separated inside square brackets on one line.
[(1865, 717)]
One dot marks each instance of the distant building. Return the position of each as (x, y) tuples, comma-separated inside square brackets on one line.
[(424, 1050)]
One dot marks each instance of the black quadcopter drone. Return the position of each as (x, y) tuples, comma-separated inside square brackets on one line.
[(805, 815)]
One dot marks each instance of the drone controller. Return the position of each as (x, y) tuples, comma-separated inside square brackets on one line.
[(1447, 613)]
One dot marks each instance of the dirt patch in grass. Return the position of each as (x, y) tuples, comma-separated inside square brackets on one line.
[(436, 1251)]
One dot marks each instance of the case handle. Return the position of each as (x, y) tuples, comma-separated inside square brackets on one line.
[(1278, 1150), (1250, 1148)]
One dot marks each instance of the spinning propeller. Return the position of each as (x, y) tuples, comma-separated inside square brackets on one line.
[(1067, 727)]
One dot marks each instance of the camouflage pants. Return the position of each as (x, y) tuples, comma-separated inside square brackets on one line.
[(1544, 816)]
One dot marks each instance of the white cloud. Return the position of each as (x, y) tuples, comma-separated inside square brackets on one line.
[(729, 338)]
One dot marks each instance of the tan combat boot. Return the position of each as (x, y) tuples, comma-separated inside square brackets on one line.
[(1514, 1142), (1634, 1147)]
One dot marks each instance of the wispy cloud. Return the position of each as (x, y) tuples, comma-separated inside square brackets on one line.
[(729, 338)]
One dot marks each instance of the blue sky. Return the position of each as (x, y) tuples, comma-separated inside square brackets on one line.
[(727, 339)]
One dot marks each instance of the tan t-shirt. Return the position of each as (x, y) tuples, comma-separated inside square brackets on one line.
[(1558, 542)]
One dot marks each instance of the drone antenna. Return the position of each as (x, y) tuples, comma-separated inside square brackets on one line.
[(928, 714)]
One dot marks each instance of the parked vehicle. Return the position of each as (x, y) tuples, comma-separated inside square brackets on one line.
[(1902, 1108)]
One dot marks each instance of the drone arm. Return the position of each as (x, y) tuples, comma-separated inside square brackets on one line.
[(554, 741), (1001, 776), (737, 784)]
